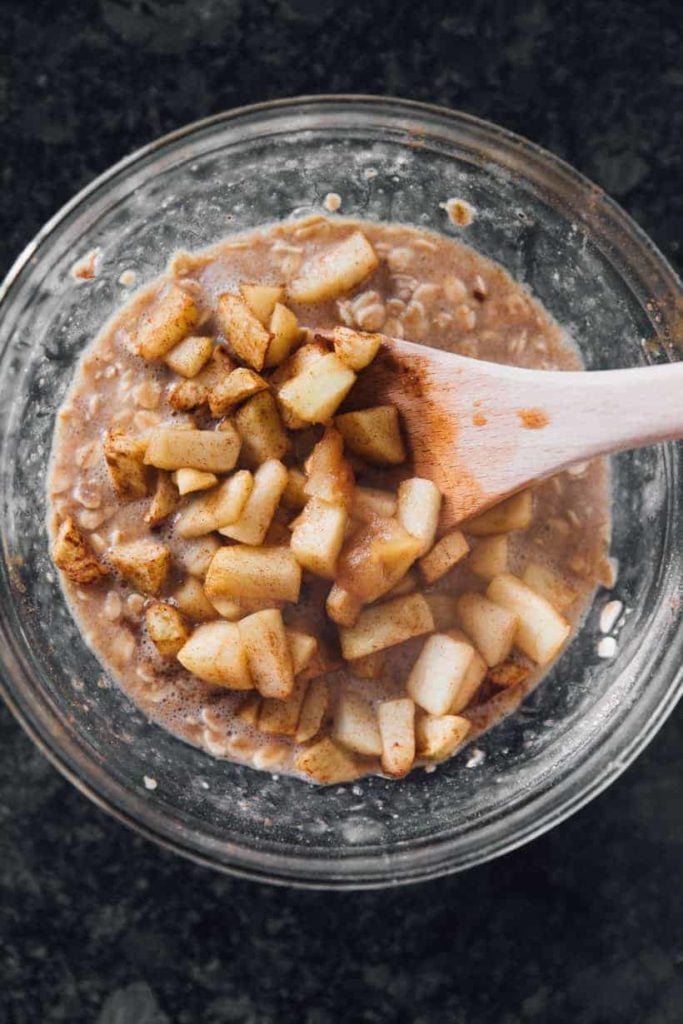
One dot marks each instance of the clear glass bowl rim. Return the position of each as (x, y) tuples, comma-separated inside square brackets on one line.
[(425, 859)]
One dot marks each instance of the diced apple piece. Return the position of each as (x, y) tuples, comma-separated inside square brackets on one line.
[(235, 608), (438, 738), (334, 270), (237, 387), (343, 607), (355, 726), (329, 474), (294, 495), (371, 666), (193, 602), (260, 427), (472, 679), (438, 673), (170, 319), (509, 673), (373, 434), (190, 355), (313, 710), (247, 336), (386, 625), (145, 564), (369, 502), (375, 557), (549, 584), (315, 394), (165, 500), (247, 572), (541, 631), (355, 348), (270, 481), (280, 717), (261, 299), (512, 514), (444, 608), (214, 451), (446, 553), (326, 762), (491, 627), (165, 628), (490, 556), (196, 553), (270, 662), (73, 555), (125, 457), (298, 363), (419, 505), (216, 654), (318, 536), (249, 708), (302, 647), (217, 509), (397, 728), (284, 332), (190, 394), (189, 480)]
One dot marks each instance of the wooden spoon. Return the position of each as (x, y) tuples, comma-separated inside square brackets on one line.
[(482, 431)]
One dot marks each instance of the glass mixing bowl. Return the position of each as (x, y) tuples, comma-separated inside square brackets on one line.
[(394, 161)]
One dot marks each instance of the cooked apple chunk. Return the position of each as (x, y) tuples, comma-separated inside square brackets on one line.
[(313, 710), (437, 738), (237, 387), (446, 553), (327, 763), (170, 319), (214, 451), (376, 555), (284, 332), (314, 395), (165, 500), (408, 584), (373, 434), (145, 564), (193, 602), (216, 654), (270, 481), (490, 556), (190, 356), (261, 299), (247, 337), (270, 662), (549, 584), (190, 394), (509, 673), (355, 348), (302, 647), (318, 536), (334, 270), (196, 553), (260, 427), (397, 728), (385, 625), (235, 608), (473, 678), (343, 607), (281, 717), (369, 502), (74, 556), (438, 673), (419, 505), (189, 480), (220, 507), (165, 628), (125, 458), (541, 631), (328, 474), (491, 627), (512, 514), (294, 496), (355, 726), (265, 573)]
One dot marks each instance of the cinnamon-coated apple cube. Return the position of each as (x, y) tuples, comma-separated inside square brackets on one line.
[(170, 318), (294, 496), (334, 270), (270, 662), (408, 584), (190, 356), (437, 738), (489, 557), (318, 536), (164, 501), (509, 673), (260, 427), (313, 710), (261, 299), (214, 451), (165, 628), (473, 678), (438, 673), (315, 394), (328, 763), (281, 717), (72, 553), (374, 434), (549, 584), (193, 602), (541, 630), (342, 607), (514, 513), (328, 474), (249, 708), (385, 625), (270, 480), (396, 720), (216, 654), (189, 480), (221, 507), (195, 555), (265, 573), (375, 557), (444, 608), (355, 726), (190, 394), (370, 501), (371, 666), (490, 627), (145, 564), (241, 384), (446, 553), (355, 348), (302, 647), (300, 361), (125, 458), (284, 333), (419, 505), (247, 337)]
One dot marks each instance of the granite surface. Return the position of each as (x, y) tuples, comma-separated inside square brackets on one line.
[(96, 925)]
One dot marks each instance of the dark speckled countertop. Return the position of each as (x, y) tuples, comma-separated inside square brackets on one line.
[(586, 924)]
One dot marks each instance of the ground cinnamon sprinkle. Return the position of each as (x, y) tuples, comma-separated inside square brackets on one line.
[(533, 419), (479, 420)]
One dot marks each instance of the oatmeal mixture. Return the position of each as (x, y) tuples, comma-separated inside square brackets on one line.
[(249, 553)]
